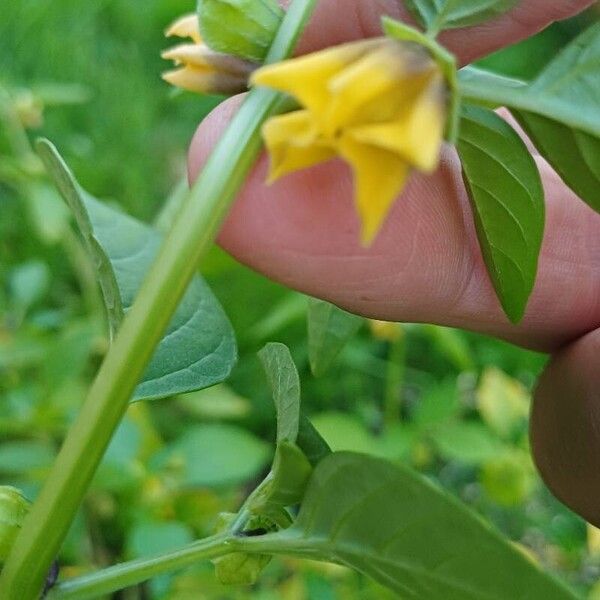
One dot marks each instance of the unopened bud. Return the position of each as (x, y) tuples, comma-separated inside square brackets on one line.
[(244, 28), (202, 69)]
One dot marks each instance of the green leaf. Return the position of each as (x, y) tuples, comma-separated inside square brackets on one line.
[(198, 349), (285, 383), (438, 404), (286, 483), (25, 457), (574, 154), (147, 538), (438, 15), (507, 197), (347, 432), (567, 90), (560, 110), (391, 524), (309, 440), (572, 79), (329, 329), (509, 478), (214, 456), (292, 425), (469, 443)]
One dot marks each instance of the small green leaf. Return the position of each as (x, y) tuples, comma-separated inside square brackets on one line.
[(329, 329), (575, 155), (198, 349), (287, 481), (285, 384), (391, 524), (507, 197), (292, 425), (438, 15)]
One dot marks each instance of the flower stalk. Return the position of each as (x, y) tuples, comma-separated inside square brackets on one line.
[(190, 238)]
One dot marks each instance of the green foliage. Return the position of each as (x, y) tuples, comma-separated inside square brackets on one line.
[(329, 329), (214, 456), (391, 524), (449, 14), (573, 153), (168, 472), (570, 81), (292, 425), (566, 91), (508, 204), (285, 384), (198, 349)]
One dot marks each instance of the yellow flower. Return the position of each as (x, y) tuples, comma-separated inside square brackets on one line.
[(379, 104), (201, 69)]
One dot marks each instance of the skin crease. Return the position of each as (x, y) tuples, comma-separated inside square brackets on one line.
[(425, 264)]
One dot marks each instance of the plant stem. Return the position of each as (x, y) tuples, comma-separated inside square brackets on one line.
[(191, 236), (394, 379), (137, 571), (140, 570)]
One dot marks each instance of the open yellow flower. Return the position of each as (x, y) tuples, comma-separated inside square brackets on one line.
[(379, 104), (201, 69)]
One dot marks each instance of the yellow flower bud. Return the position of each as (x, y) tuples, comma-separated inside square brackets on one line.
[(380, 104), (386, 331), (201, 69)]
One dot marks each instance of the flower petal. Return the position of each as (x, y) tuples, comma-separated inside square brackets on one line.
[(379, 85), (200, 55), (416, 136), (205, 81), (307, 77), (185, 27), (380, 176), (293, 144)]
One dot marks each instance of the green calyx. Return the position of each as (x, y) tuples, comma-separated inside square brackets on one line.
[(244, 28)]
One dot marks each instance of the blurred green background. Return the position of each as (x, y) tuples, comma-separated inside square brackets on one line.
[(452, 404)]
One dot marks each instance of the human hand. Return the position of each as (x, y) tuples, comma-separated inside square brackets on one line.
[(426, 264)]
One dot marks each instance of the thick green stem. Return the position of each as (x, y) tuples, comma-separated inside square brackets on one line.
[(191, 236), (131, 573), (137, 571)]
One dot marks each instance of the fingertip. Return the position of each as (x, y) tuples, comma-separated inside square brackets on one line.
[(209, 132)]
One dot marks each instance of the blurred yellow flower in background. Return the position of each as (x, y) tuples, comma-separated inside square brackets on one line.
[(379, 104), (201, 69)]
